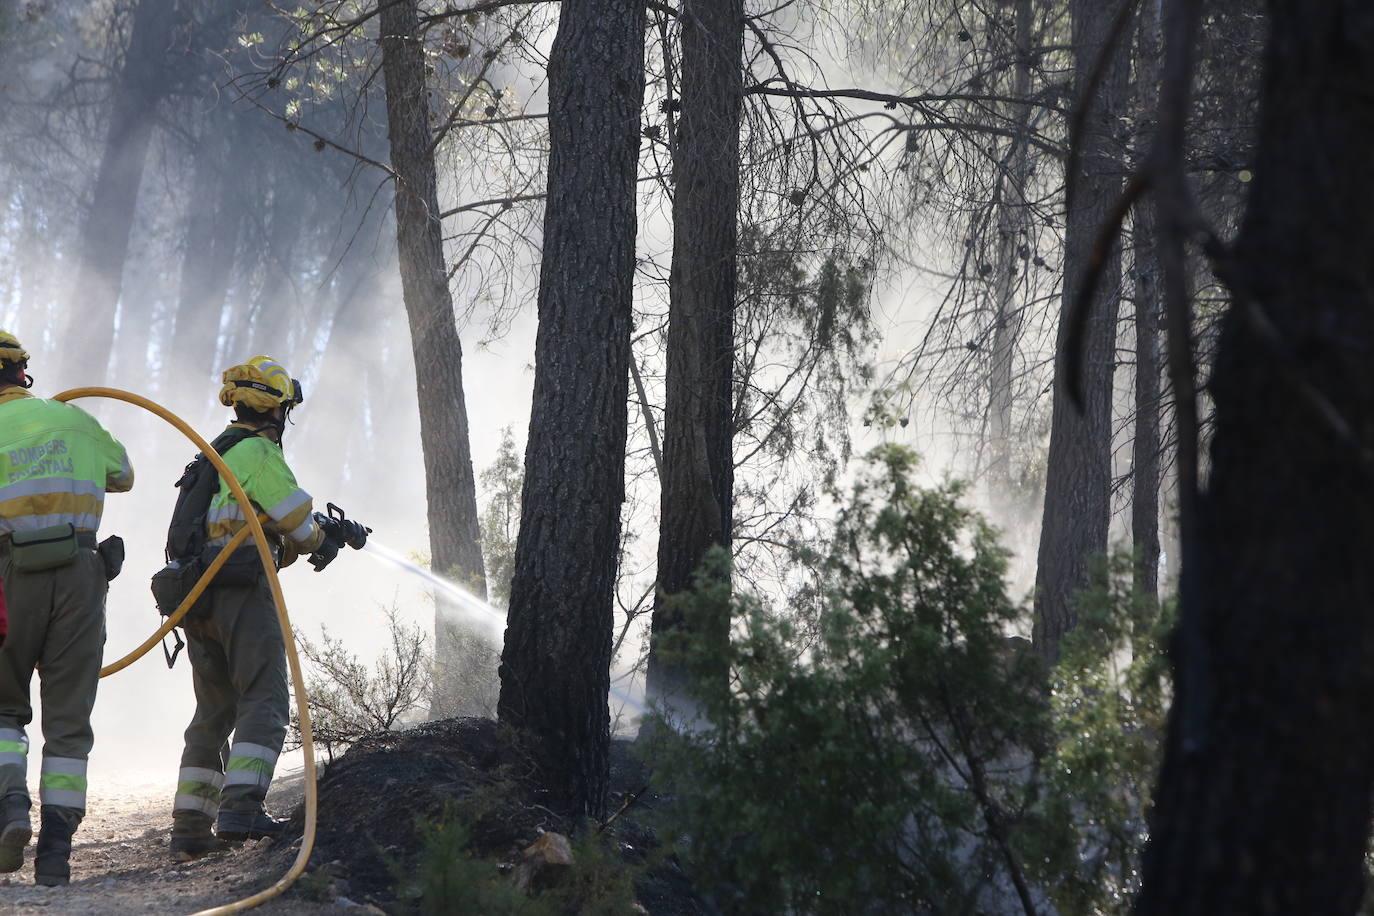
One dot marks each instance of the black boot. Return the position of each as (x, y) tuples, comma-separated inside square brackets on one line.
[(58, 823), (15, 831), (192, 837), (237, 826)]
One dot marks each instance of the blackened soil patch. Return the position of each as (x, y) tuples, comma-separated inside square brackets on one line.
[(374, 800)]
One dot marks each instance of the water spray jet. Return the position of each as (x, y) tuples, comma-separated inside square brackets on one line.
[(469, 605), (473, 608)]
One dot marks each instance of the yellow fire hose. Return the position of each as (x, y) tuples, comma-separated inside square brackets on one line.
[(185, 607), (264, 552)]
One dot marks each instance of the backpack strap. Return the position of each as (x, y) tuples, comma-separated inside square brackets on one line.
[(198, 484)]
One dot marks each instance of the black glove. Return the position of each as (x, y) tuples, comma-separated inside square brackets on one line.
[(333, 529), (342, 530), (338, 531), (323, 554)]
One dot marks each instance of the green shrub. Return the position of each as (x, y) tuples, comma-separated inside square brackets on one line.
[(452, 879), (598, 883), (1110, 698), (903, 754), (888, 763)]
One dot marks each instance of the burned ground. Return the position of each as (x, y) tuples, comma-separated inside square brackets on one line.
[(376, 801)]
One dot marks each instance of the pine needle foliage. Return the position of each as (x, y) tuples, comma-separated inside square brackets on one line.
[(888, 764), (454, 875), (452, 878), (1111, 692), (899, 752)]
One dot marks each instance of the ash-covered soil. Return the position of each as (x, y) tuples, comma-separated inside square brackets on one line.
[(374, 799), (373, 804)]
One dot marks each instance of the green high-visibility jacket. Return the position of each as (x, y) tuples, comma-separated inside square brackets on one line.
[(261, 468), (56, 464)]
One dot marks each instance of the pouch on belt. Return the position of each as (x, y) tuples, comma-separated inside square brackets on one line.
[(173, 582), (43, 548)]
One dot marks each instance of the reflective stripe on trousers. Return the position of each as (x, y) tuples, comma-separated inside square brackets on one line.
[(14, 749), (250, 765), (63, 782), (198, 789)]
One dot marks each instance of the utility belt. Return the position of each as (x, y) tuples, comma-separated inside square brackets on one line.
[(173, 582), (39, 549)]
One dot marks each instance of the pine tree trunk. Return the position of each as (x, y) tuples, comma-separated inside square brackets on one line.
[(450, 488), (1012, 220), (212, 232), (104, 243), (555, 667), (1077, 487), (366, 263), (278, 309), (1145, 445), (1264, 798), (698, 468)]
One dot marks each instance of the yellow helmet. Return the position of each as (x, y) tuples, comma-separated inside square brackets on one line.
[(261, 383), (11, 351)]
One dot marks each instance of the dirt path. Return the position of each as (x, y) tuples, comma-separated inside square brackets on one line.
[(121, 865)]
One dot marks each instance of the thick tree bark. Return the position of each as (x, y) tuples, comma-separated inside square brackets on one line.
[(555, 668), (104, 242), (1264, 798), (450, 489), (1077, 487), (1145, 446), (698, 469)]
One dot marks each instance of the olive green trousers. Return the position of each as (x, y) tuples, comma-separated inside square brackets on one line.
[(57, 626), (238, 669)]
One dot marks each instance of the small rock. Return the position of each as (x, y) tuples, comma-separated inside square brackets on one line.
[(542, 862)]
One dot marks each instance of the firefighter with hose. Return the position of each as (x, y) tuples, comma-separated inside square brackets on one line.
[(234, 641), (56, 465)]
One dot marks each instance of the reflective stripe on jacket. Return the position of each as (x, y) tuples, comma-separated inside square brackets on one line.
[(56, 464), (261, 468)]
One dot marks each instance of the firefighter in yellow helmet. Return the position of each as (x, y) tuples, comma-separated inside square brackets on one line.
[(234, 642), (56, 465)]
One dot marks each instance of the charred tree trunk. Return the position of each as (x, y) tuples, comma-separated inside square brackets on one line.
[(450, 489), (1145, 445), (1264, 799), (1077, 487), (698, 468), (104, 242), (555, 668)]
